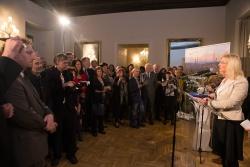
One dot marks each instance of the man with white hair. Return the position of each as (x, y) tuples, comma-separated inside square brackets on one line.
[(148, 91), (156, 68)]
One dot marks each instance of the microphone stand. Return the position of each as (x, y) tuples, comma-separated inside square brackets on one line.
[(201, 128), (200, 149), (174, 138)]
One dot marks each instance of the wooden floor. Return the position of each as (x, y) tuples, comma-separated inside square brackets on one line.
[(150, 146)]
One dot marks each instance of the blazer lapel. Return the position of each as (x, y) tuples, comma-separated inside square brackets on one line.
[(30, 91), (224, 85)]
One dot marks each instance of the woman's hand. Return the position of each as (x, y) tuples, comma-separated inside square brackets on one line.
[(203, 101)]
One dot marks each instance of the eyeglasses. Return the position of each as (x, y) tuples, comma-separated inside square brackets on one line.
[(222, 62)]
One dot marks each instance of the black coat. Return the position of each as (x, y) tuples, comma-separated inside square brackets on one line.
[(36, 81), (9, 70), (134, 91), (116, 94), (98, 97), (54, 91)]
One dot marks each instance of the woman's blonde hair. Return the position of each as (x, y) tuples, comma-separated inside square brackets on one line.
[(234, 68)]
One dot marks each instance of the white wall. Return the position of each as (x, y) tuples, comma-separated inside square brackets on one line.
[(152, 27), (25, 11), (235, 9)]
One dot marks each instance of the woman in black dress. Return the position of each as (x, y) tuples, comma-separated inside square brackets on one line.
[(98, 102)]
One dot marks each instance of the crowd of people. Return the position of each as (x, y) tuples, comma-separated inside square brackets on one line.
[(45, 110), (56, 104)]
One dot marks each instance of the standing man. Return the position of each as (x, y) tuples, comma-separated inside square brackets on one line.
[(158, 90), (134, 88), (90, 72), (149, 85), (10, 67), (31, 121), (57, 99)]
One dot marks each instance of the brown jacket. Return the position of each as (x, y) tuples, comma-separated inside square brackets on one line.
[(27, 134)]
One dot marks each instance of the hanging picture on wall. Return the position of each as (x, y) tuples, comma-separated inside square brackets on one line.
[(91, 50), (176, 49)]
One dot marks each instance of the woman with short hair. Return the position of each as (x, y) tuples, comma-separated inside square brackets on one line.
[(227, 137)]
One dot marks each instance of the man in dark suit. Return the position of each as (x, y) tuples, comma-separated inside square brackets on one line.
[(158, 94), (149, 86), (90, 72), (55, 86), (31, 121), (134, 88), (10, 67)]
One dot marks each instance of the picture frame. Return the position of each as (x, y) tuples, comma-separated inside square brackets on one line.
[(195, 42), (90, 49)]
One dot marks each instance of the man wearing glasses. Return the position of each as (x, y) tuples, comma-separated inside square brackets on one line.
[(29, 119)]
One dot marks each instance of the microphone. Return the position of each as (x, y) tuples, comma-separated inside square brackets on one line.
[(201, 72)]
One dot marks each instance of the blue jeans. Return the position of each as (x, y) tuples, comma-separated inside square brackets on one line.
[(137, 114)]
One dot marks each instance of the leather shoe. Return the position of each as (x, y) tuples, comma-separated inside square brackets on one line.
[(117, 125), (217, 161), (142, 125), (94, 134), (80, 138), (102, 132), (72, 159)]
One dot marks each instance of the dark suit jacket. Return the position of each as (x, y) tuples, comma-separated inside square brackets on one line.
[(27, 134), (54, 92), (9, 70), (149, 86), (134, 91)]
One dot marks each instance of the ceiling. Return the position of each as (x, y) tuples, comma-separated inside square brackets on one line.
[(94, 7)]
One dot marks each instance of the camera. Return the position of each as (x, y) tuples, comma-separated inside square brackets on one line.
[(81, 84)]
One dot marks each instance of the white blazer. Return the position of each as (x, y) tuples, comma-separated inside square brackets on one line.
[(229, 97)]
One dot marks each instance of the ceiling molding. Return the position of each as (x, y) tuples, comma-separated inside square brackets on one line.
[(94, 7)]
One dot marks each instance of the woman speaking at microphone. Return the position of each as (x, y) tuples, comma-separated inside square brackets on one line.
[(227, 137)]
